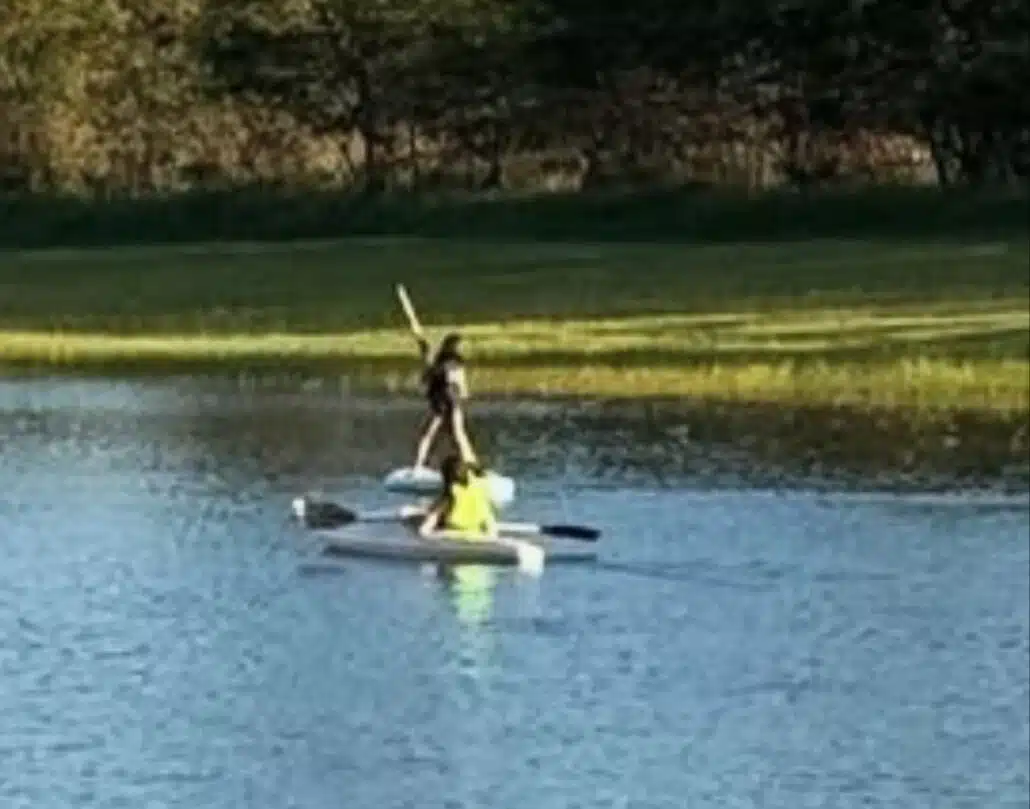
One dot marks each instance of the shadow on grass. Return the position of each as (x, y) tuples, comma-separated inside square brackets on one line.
[(666, 215), (349, 287)]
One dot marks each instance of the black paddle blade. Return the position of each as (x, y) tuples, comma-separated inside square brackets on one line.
[(324, 514), (571, 532)]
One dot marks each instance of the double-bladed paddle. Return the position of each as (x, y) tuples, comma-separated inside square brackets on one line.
[(324, 514)]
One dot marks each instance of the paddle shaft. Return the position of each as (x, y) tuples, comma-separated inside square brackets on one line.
[(409, 311), (581, 532), (513, 529), (345, 516)]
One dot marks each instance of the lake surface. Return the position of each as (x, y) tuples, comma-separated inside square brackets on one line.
[(168, 638)]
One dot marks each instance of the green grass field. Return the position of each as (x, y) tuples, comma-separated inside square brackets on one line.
[(932, 326)]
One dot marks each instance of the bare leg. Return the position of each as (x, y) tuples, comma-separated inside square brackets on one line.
[(429, 431), (461, 436)]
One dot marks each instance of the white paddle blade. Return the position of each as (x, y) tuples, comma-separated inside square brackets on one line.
[(531, 557)]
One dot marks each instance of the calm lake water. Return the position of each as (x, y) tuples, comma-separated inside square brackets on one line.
[(171, 639)]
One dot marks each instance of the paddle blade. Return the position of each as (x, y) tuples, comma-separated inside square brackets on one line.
[(571, 532), (322, 514), (531, 557)]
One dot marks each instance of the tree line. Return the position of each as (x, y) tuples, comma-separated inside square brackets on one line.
[(145, 96)]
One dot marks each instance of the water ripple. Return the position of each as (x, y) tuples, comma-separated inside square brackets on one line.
[(170, 639)]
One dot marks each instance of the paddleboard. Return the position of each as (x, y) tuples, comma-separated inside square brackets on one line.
[(427, 482), (402, 547)]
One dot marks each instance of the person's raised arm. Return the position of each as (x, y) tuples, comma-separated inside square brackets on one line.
[(423, 350)]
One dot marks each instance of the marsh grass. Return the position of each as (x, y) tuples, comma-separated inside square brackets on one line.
[(927, 327)]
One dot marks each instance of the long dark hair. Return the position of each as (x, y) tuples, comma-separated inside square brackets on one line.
[(453, 470), (449, 350)]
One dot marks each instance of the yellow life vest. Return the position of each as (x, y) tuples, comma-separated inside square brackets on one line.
[(471, 510)]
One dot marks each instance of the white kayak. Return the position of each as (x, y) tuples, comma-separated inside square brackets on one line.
[(401, 545), (427, 482)]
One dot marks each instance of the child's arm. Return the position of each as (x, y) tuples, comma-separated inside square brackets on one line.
[(431, 522)]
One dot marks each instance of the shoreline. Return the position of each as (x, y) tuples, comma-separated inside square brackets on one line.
[(843, 447), (868, 355), (928, 388)]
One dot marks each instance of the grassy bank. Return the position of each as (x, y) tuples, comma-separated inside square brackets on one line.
[(927, 328), (665, 216)]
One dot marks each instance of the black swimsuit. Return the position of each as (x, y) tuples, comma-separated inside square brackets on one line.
[(439, 392)]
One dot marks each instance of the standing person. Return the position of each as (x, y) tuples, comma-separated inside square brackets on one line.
[(445, 387)]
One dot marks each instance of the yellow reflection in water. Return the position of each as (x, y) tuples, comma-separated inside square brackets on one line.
[(471, 590)]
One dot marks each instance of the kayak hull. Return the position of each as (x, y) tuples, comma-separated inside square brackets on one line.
[(444, 551), (428, 482)]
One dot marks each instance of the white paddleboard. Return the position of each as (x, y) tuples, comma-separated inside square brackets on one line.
[(427, 482), (403, 546)]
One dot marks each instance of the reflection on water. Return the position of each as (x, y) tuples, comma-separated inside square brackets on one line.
[(470, 589), (164, 642)]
